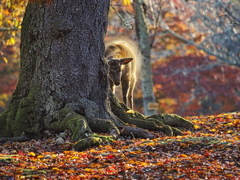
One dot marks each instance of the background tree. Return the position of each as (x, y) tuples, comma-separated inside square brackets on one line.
[(144, 44)]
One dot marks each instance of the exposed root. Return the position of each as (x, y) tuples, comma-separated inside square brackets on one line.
[(150, 125), (82, 118), (87, 143), (135, 132), (166, 123), (66, 118), (173, 120), (17, 138)]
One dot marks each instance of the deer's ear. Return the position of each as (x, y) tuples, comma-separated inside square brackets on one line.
[(126, 60)]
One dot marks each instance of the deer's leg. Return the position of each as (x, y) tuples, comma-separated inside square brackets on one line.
[(130, 92), (112, 86), (125, 86)]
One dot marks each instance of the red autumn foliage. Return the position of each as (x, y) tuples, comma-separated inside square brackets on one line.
[(193, 85)]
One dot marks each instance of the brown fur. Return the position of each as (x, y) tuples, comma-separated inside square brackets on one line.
[(122, 68)]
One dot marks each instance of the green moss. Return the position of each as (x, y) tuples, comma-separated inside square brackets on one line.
[(177, 121), (101, 125), (6, 159), (173, 120), (87, 143), (3, 122), (7, 119), (170, 124), (29, 173), (104, 138), (78, 126), (25, 119), (198, 142), (66, 118), (176, 132), (19, 118)]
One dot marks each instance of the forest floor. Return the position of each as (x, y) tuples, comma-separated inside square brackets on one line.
[(210, 151)]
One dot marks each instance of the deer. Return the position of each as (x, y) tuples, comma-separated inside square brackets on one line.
[(121, 60)]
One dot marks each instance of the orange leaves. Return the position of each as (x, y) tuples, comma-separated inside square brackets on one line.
[(32, 154), (222, 124), (196, 127), (184, 155)]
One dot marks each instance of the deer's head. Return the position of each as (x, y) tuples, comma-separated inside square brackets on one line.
[(115, 70)]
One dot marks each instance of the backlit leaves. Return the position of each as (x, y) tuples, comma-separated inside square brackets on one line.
[(126, 2)]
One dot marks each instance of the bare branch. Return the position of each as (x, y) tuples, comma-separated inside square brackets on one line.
[(127, 25), (190, 42), (203, 67), (156, 16)]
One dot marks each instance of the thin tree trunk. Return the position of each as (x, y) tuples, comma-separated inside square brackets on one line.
[(145, 48)]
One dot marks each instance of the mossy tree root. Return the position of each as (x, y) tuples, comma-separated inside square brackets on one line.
[(170, 124), (78, 125), (173, 120), (66, 118)]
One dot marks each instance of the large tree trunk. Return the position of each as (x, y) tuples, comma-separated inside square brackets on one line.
[(62, 51), (63, 82)]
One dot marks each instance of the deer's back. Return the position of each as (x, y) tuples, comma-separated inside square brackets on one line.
[(121, 49)]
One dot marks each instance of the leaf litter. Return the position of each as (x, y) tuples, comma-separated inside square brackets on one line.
[(210, 151)]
